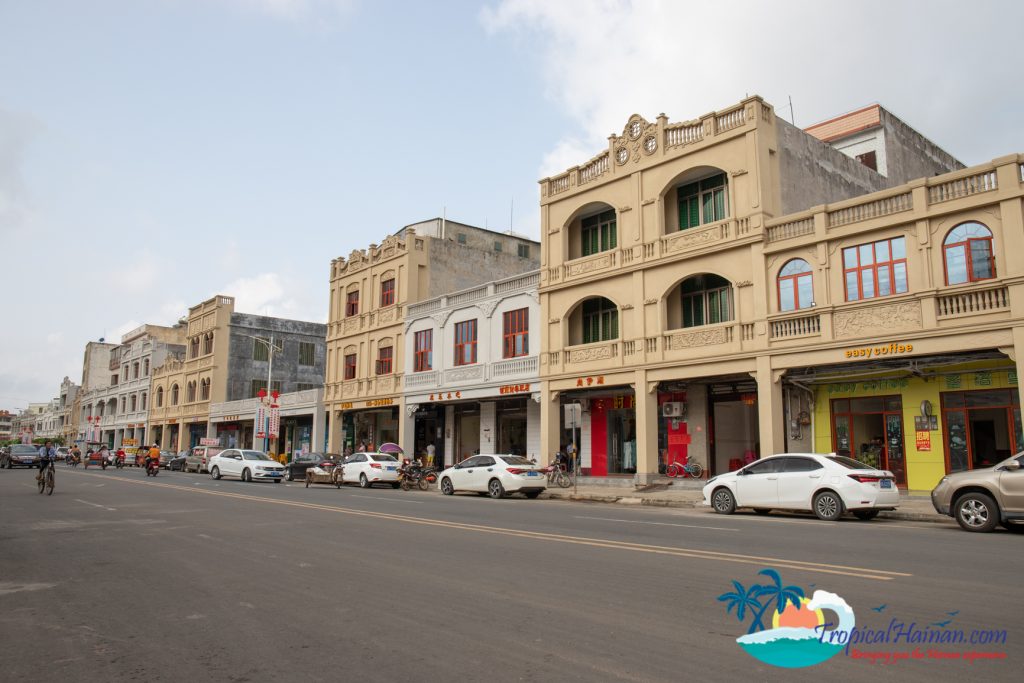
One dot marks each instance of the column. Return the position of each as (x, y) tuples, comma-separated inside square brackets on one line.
[(319, 428), (1018, 352), (335, 443), (407, 429), (533, 447), (769, 408), (449, 435), (488, 427), (646, 429), (550, 423)]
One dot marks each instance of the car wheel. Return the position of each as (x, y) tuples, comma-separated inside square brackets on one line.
[(865, 515), (828, 506), (762, 511), (976, 512), (364, 483), (532, 494), (215, 473), (246, 475), (495, 489), (446, 487), (723, 501)]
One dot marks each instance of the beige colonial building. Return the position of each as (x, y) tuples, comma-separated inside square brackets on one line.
[(708, 289), (370, 293)]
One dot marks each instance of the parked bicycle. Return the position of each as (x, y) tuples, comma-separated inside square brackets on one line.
[(46, 479), (689, 469)]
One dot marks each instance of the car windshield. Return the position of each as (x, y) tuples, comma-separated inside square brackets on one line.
[(254, 455), (515, 460), (384, 458), (850, 463), (28, 450)]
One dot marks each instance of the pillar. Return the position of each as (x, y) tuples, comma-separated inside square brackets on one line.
[(1018, 352), (769, 408), (646, 428), (407, 429), (319, 435), (488, 427), (449, 435), (550, 423), (335, 443)]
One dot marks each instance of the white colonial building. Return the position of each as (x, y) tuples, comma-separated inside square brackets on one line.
[(471, 372)]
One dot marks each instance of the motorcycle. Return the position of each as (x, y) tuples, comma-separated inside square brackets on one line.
[(153, 467), (411, 474), (119, 462)]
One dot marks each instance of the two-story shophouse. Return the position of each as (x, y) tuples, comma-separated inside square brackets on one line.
[(229, 356), (370, 294), (679, 323), (471, 377)]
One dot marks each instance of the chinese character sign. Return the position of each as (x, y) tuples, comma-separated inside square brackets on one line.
[(275, 422), (261, 421)]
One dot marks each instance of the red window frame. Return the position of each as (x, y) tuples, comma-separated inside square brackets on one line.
[(873, 269), (352, 303), (350, 366), (423, 355), (516, 333), (969, 255), (385, 356), (387, 292), (465, 342), (794, 282)]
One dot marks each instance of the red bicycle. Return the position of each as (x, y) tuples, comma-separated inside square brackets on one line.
[(679, 469)]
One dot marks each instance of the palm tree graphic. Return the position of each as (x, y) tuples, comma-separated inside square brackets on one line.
[(758, 598)]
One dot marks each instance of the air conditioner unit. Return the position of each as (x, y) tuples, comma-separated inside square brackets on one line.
[(673, 409)]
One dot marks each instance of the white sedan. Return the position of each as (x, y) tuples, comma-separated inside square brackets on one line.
[(494, 475), (827, 485), (368, 469), (246, 465)]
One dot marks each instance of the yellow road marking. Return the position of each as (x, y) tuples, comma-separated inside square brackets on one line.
[(777, 562)]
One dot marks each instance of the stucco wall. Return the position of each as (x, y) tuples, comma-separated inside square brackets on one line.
[(242, 369), (455, 266), (910, 155)]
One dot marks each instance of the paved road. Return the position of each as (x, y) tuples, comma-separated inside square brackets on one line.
[(118, 577)]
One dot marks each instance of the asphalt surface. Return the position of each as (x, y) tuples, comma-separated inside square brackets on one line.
[(117, 577)]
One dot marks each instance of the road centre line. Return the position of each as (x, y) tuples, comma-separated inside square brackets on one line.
[(640, 521), (96, 505), (694, 553), (400, 500)]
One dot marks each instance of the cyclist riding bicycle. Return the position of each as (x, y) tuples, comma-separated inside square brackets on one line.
[(47, 453)]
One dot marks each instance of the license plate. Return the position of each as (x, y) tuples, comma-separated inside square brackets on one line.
[(885, 483), (27, 460), (531, 474), (391, 468)]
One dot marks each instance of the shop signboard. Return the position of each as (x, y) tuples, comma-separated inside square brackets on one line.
[(261, 422), (275, 421), (208, 441), (924, 440)]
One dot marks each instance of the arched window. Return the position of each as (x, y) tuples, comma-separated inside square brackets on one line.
[(134, 403), (144, 397), (703, 201), (600, 320), (968, 254), (145, 368), (706, 300), (193, 347), (598, 233), (204, 389), (190, 392), (208, 343), (159, 397), (174, 394), (795, 291)]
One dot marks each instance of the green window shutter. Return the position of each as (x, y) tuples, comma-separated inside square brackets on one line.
[(719, 204), (613, 241), (614, 326)]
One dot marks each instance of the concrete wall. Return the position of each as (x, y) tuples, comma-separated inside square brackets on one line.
[(910, 155), (242, 368), (455, 266)]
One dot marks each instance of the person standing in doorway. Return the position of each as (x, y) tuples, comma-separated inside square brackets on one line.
[(431, 450)]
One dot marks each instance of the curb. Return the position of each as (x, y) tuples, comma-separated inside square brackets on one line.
[(933, 518)]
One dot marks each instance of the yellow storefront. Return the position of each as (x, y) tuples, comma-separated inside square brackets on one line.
[(944, 417)]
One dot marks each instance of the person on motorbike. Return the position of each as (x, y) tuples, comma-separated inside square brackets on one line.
[(120, 457), (153, 454), (75, 454)]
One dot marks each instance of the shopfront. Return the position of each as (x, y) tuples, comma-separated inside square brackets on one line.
[(946, 417), (372, 426), (511, 420), (607, 434), (428, 430)]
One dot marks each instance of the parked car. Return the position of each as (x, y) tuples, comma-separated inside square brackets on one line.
[(368, 469), (62, 453), (165, 459), (827, 485), (296, 469), (177, 462), (198, 459), (246, 465), (495, 475), (980, 499), (22, 455)]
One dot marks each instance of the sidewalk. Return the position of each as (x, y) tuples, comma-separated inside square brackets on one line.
[(916, 507)]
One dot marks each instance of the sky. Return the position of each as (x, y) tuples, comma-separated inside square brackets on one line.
[(154, 153)]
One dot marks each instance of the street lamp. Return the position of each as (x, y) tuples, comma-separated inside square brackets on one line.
[(271, 350)]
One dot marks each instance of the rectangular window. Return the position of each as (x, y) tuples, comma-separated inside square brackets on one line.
[(516, 326), (702, 202), (598, 233), (307, 353), (461, 238), (261, 349), (350, 366), (497, 246), (874, 270), (301, 386), (352, 304), (258, 384), (387, 292), (384, 359), (524, 251), (465, 342), (424, 353)]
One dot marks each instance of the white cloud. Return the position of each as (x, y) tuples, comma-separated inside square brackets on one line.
[(603, 61), (273, 294)]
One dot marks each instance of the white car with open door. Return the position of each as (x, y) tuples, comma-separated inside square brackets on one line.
[(827, 485), (246, 465), (494, 475), (368, 469)]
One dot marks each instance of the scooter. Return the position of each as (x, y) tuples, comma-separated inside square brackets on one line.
[(153, 467)]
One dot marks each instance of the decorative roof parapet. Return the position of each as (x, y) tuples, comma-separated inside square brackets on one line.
[(361, 258)]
